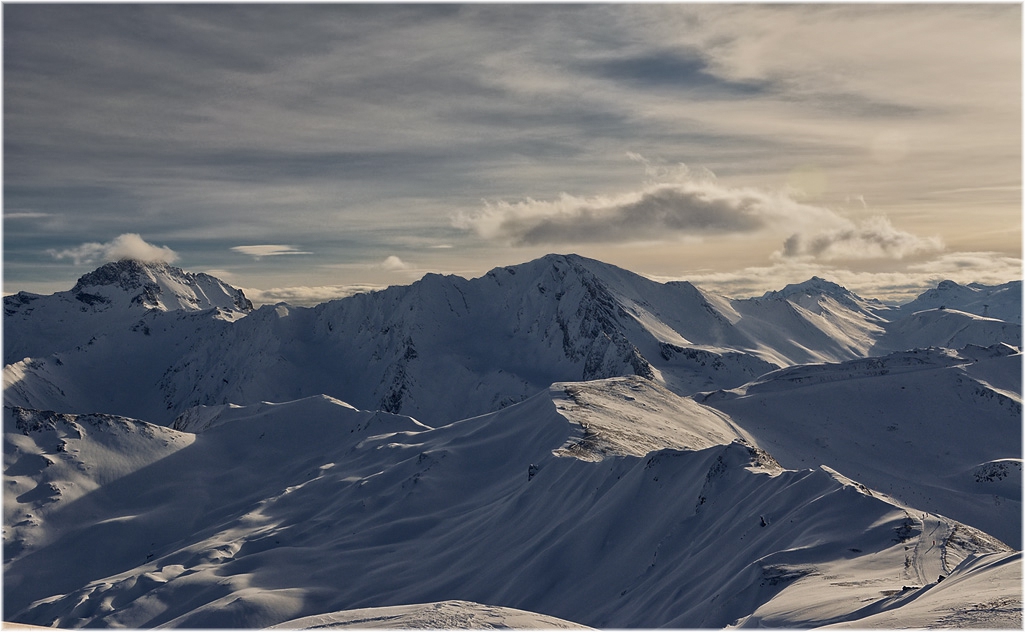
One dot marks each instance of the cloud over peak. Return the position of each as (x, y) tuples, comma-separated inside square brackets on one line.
[(393, 264), (875, 238), (660, 211), (677, 203), (125, 246)]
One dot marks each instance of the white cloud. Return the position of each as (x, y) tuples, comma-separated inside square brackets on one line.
[(306, 295), (25, 215), (224, 275), (126, 246), (269, 250), (695, 206), (658, 171), (875, 238), (896, 286), (393, 263), (676, 204), (857, 198), (966, 267)]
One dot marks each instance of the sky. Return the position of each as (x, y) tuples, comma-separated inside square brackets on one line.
[(304, 152)]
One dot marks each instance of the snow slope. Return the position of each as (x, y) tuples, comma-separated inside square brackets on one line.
[(52, 460), (615, 424), (917, 425), (973, 596), (444, 615), (269, 513), (128, 371), (947, 328)]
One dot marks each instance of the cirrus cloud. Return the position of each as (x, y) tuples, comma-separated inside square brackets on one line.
[(125, 246)]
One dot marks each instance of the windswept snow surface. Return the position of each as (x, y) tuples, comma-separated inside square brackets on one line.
[(444, 615), (557, 442), (52, 460), (973, 596), (633, 416)]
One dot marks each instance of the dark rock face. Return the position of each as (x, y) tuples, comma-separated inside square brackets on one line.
[(127, 274)]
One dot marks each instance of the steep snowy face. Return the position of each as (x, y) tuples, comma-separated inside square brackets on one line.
[(631, 416)]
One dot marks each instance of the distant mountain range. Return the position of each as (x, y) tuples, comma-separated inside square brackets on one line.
[(562, 437), (443, 348)]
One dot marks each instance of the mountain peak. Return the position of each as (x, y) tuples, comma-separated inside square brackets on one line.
[(157, 285), (815, 285), (809, 294), (550, 261), (128, 274)]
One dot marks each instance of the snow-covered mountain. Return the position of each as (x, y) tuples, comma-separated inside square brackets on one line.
[(445, 348), (114, 297), (557, 443), (814, 321), (1001, 302)]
